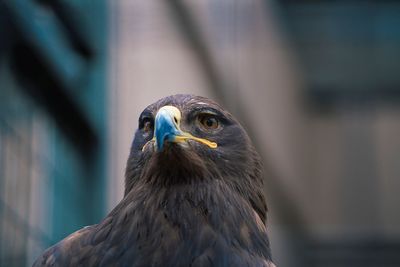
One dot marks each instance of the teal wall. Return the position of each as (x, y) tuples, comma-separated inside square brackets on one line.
[(53, 122)]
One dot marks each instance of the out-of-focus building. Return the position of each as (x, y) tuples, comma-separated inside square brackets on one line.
[(52, 123), (315, 83)]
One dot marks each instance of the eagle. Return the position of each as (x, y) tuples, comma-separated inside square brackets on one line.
[(193, 196)]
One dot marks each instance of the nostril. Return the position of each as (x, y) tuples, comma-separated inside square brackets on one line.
[(176, 120)]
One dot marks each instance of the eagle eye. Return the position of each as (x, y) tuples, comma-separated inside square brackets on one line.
[(147, 124), (209, 121)]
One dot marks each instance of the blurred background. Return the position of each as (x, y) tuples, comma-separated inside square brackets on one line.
[(316, 84)]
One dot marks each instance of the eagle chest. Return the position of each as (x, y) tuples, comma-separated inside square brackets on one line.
[(181, 229)]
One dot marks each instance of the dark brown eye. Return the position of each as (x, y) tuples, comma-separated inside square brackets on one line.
[(147, 125), (208, 121)]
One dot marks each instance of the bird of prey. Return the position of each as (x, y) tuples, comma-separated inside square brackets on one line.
[(193, 196)]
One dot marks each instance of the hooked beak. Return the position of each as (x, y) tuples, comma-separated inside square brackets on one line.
[(167, 129)]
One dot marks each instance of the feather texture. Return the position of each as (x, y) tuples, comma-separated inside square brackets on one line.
[(185, 206)]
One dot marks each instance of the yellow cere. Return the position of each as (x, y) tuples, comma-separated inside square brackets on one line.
[(187, 136), (173, 111), (183, 138)]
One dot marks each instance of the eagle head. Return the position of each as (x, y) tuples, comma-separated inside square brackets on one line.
[(187, 138)]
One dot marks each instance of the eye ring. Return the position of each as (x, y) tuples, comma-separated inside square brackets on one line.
[(208, 121)]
